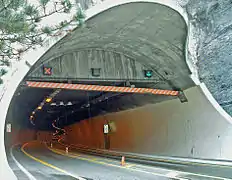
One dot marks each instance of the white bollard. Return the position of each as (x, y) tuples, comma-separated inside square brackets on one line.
[(66, 150)]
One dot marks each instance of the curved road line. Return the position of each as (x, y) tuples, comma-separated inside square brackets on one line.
[(47, 164), (28, 174)]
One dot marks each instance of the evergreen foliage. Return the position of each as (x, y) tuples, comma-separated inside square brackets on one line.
[(20, 25)]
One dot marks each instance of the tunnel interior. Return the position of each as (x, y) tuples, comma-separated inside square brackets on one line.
[(70, 106), (123, 42)]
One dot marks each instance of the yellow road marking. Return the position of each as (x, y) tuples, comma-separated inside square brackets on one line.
[(47, 164), (130, 165), (81, 158)]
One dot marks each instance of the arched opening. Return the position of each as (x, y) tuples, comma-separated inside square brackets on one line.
[(120, 45)]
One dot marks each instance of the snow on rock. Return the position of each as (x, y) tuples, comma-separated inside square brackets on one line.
[(212, 24)]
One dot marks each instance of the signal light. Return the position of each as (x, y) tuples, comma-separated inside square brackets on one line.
[(96, 72), (47, 71), (148, 73)]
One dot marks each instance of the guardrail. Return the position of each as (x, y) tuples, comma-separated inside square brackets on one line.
[(150, 158), (193, 168)]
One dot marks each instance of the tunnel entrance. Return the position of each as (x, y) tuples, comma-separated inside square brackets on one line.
[(135, 61), (118, 84), (119, 73)]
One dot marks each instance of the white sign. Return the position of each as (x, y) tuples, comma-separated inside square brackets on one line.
[(8, 128), (106, 128)]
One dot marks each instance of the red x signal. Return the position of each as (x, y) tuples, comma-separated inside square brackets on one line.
[(47, 71)]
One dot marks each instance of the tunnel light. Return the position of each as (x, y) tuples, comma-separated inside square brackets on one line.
[(39, 108), (61, 103), (48, 100), (31, 117), (69, 103), (148, 73), (132, 86), (33, 112)]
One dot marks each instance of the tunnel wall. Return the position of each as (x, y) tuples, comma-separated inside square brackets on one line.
[(44, 136), (19, 136), (193, 129)]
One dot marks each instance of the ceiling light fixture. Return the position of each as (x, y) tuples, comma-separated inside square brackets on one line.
[(61, 103), (48, 100), (69, 103), (39, 108)]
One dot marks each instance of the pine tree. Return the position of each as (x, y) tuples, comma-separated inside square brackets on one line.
[(20, 25)]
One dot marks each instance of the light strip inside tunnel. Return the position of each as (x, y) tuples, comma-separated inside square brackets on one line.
[(85, 87)]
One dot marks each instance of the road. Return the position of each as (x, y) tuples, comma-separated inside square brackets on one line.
[(88, 167), (42, 162)]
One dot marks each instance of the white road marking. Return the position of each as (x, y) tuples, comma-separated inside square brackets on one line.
[(172, 174), (49, 165), (28, 174)]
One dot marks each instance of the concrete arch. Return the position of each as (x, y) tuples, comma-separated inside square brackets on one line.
[(154, 38), (15, 76)]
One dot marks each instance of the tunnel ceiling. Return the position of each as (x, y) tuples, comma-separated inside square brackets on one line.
[(138, 35), (151, 34)]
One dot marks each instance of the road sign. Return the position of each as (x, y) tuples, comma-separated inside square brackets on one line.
[(8, 128), (106, 128)]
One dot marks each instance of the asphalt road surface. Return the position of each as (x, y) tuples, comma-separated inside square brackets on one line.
[(87, 167), (42, 162)]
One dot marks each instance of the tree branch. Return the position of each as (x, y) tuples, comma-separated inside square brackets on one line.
[(7, 6)]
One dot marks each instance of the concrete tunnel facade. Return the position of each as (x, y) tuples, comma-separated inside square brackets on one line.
[(198, 128)]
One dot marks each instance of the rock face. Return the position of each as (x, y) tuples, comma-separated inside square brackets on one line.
[(211, 24)]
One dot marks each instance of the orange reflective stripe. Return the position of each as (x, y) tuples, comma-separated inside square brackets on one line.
[(100, 88)]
